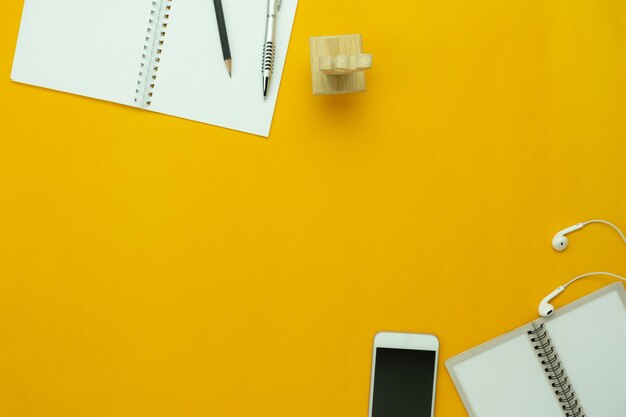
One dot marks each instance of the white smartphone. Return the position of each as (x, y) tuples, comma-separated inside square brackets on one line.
[(404, 375)]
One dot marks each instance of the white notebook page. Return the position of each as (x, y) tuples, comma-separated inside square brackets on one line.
[(591, 341), (192, 79), (504, 378), (87, 47)]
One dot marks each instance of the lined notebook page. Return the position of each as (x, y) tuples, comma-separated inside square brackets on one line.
[(192, 80), (503, 378), (87, 47), (591, 341)]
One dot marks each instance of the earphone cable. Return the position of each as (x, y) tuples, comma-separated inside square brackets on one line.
[(617, 229), (594, 273)]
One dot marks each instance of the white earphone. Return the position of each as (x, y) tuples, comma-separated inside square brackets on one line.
[(560, 240), (559, 243), (546, 309)]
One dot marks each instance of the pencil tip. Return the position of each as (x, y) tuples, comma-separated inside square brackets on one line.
[(229, 67)]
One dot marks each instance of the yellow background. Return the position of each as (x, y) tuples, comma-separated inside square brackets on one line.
[(151, 266)]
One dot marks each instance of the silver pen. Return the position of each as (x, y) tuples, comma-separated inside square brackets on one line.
[(269, 47)]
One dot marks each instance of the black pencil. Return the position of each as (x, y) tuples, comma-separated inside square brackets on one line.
[(221, 25)]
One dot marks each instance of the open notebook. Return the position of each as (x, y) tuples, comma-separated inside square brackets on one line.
[(572, 364), (161, 55)]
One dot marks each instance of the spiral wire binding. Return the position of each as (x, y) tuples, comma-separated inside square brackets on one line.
[(152, 50), (557, 376)]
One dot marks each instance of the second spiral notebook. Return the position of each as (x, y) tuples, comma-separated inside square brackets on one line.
[(160, 55), (569, 365)]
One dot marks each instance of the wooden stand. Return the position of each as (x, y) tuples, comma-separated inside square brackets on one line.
[(338, 64)]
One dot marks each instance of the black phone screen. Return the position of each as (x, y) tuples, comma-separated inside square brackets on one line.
[(403, 383)]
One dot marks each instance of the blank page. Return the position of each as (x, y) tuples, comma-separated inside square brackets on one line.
[(590, 339), (192, 79), (87, 47), (503, 378)]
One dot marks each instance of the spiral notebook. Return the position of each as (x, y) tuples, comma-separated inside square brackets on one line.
[(160, 55), (572, 364)]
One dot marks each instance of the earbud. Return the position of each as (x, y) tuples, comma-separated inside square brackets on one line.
[(560, 241), (545, 308)]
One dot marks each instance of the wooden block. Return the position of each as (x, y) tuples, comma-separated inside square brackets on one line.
[(344, 64), (337, 64)]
